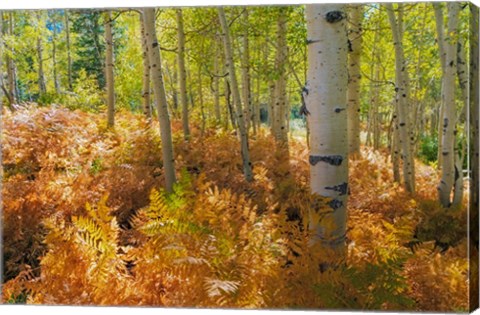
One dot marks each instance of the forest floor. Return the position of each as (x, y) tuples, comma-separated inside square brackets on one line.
[(233, 240)]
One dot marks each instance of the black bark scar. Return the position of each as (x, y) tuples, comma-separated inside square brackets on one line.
[(334, 16), (342, 189), (335, 204), (335, 160)]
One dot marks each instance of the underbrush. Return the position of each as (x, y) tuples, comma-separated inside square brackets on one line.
[(86, 222)]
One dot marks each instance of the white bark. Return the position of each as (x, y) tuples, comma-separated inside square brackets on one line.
[(440, 40), (56, 82), (446, 184), (216, 83), (182, 74), (41, 75), (240, 119), (401, 81), (146, 106), (326, 101), (354, 77), (69, 56), (160, 98), (280, 103), (11, 66), (109, 78), (245, 64)]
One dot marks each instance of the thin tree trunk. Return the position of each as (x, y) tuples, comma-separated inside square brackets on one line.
[(245, 65), (247, 165), (395, 152), (354, 77), (11, 65), (437, 7), (401, 82), (216, 84), (146, 106), (326, 99), (200, 97), (41, 75), (161, 98), (54, 53), (182, 74), (280, 104), (462, 74), (109, 70), (69, 56), (376, 119), (449, 171)]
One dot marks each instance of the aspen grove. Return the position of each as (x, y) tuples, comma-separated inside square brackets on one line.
[(320, 156)]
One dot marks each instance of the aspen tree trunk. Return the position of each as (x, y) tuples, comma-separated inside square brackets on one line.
[(41, 76), (54, 54), (462, 74), (326, 100), (147, 110), (449, 171), (216, 84), (395, 153), (182, 74), (109, 78), (200, 100), (240, 119), (437, 7), (160, 98), (174, 85), (11, 66), (3, 48), (404, 127), (245, 64), (256, 106), (376, 119), (69, 56), (354, 77), (280, 104)]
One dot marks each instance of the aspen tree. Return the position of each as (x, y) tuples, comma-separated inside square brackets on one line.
[(405, 134), (160, 98), (354, 77), (42, 88), (56, 82), (182, 73), (109, 70), (147, 110), (280, 130), (245, 65), (239, 117), (69, 56), (326, 101), (437, 7), (216, 83), (450, 172), (12, 95)]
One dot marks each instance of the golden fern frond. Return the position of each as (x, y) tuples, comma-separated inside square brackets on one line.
[(217, 287)]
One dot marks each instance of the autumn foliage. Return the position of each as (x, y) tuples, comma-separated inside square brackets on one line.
[(86, 221)]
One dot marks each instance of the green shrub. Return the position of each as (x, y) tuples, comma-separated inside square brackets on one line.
[(428, 149)]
